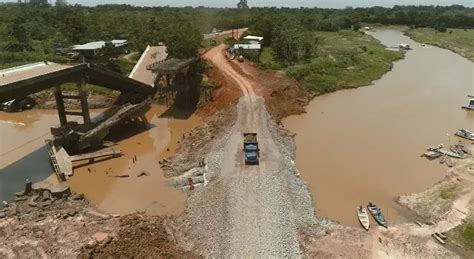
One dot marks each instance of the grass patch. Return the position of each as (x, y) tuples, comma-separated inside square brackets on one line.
[(448, 192), (458, 40), (71, 87), (467, 236), (345, 59), (267, 59)]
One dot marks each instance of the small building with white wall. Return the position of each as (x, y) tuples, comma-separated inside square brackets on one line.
[(254, 39)]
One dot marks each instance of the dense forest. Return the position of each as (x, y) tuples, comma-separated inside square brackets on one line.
[(29, 33)]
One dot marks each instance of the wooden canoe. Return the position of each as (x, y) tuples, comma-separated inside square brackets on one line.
[(377, 214), (363, 217)]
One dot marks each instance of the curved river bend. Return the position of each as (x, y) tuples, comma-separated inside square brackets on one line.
[(360, 145)]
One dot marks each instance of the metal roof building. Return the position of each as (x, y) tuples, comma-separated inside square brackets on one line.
[(253, 38), (95, 45)]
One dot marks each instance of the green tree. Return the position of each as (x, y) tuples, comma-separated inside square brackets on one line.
[(291, 43), (18, 32), (242, 4), (19, 39), (356, 27), (181, 37)]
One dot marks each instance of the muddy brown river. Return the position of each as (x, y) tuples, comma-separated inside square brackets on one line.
[(23, 156), (360, 145)]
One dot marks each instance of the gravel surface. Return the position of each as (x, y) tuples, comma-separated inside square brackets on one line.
[(247, 211)]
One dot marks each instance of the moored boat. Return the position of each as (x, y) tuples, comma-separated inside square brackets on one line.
[(377, 214), (464, 133), (470, 105), (363, 217)]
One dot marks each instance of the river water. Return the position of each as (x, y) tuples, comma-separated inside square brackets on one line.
[(23, 156), (22, 152), (360, 145)]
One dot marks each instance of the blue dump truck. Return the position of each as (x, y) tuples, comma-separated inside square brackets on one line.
[(251, 150)]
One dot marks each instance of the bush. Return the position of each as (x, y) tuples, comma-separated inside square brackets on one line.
[(267, 59), (468, 236)]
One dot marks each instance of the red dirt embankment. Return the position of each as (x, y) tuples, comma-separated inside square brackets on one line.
[(283, 95)]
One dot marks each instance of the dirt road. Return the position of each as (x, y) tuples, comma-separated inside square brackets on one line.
[(249, 211), (227, 33)]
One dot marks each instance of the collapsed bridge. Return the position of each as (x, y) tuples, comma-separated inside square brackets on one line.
[(151, 75), (132, 102), (72, 137)]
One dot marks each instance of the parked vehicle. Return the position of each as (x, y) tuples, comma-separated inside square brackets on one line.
[(18, 105), (251, 149)]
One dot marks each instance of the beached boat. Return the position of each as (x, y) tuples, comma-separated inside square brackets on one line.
[(377, 214), (439, 149), (451, 154), (470, 105), (432, 154), (464, 133), (435, 148), (363, 217), (404, 46)]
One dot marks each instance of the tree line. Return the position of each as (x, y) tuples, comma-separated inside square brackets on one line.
[(23, 28)]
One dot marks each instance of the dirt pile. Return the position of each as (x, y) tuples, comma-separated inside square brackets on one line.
[(283, 95), (138, 236), (39, 225), (195, 145)]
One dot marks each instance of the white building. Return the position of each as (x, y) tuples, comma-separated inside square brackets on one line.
[(254, 39), (248, 46)]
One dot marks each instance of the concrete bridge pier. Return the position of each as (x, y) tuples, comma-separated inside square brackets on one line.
[(81, 96)]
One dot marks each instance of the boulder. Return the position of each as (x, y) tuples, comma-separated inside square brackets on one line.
[(77, 196), (100, 236)]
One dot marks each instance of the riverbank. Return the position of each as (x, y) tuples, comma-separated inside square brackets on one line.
[(460, 41), (380, 130), (438, 212), (344, 59)]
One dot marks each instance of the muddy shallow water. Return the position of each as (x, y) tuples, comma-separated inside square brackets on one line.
[(150, 193), (23, 156), (364, 144)]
